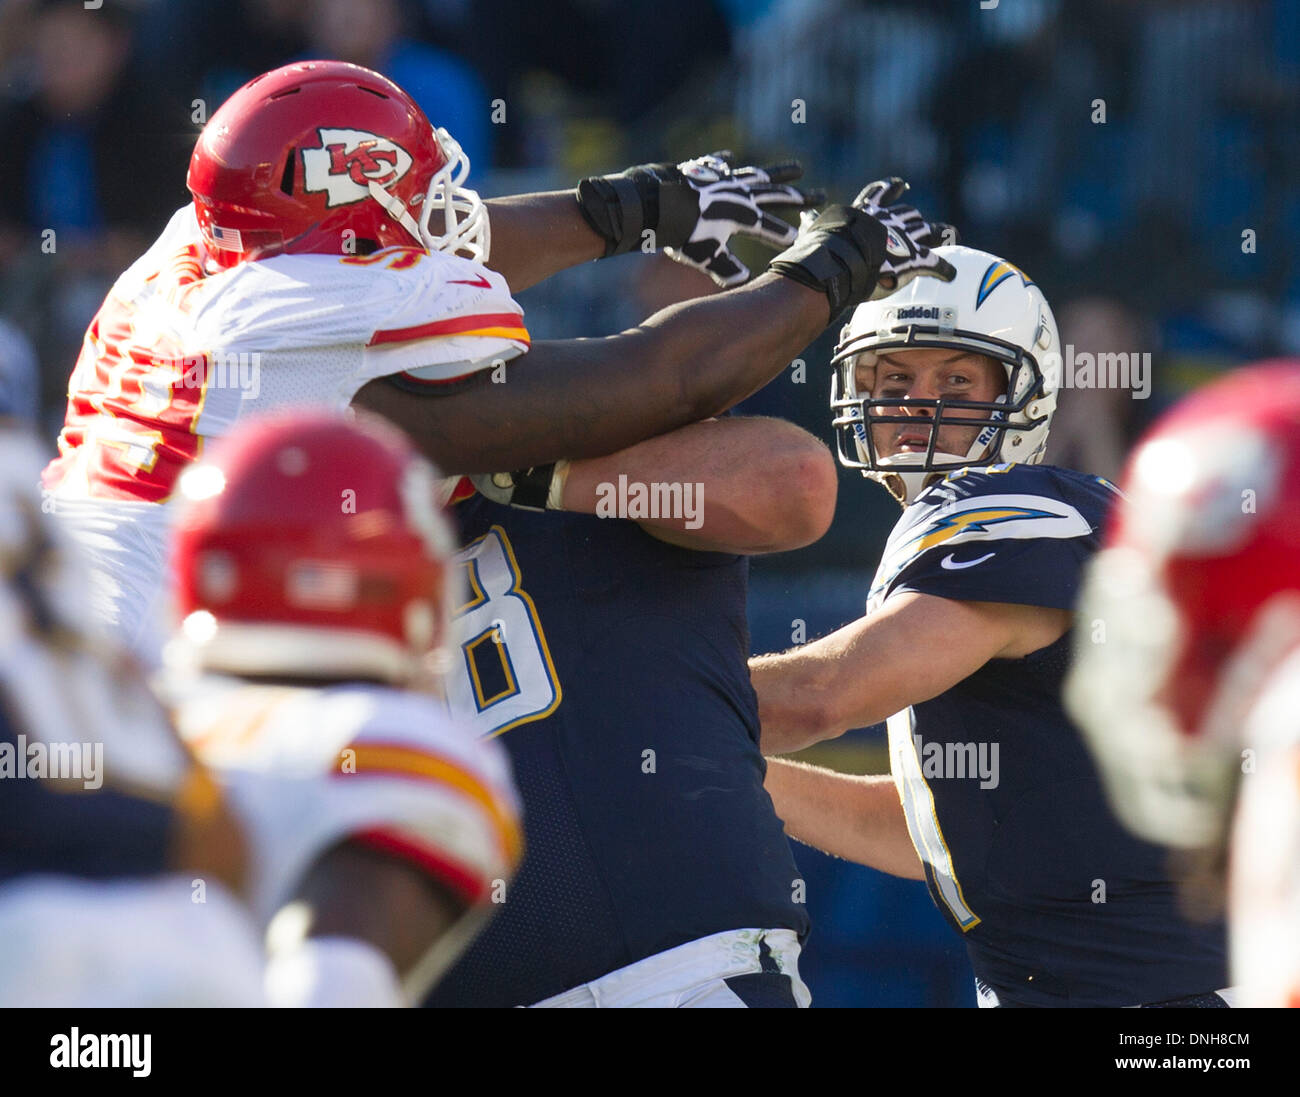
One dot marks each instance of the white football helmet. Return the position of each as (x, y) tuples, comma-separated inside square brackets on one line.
[(992, 308)]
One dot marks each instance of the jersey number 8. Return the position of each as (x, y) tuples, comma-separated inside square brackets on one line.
[(504, 676)]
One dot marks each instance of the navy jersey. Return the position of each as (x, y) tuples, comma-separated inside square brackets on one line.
[(1058, 903), (616, 666)]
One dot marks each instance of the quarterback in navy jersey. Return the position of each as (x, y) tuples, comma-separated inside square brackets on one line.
[(944, 393)]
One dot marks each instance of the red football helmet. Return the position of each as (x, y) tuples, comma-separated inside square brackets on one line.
[(312, 545), (1193, 602), (301, 155)]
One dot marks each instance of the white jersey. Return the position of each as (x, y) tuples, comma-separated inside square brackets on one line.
[(309, 767), (1264, 896), (176, 356)]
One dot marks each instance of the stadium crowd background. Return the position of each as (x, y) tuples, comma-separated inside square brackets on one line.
[(1135, 226)]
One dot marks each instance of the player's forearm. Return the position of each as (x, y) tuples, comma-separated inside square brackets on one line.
[(726, 348), (584, 398), (857, 818), (537, 235), (799, 698), (743, 485)]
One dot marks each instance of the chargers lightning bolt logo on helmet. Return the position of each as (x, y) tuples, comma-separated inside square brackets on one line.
[(998, 273)]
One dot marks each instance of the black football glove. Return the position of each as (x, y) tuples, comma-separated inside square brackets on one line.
[(867, 250), (694, 208)]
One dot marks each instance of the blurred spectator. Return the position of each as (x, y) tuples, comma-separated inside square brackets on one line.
[(371, 33), (101, 168), (19, 377), (97, 154), (1028, 168), (1094, 426), (845, 84), (210, 48), (615, 60)]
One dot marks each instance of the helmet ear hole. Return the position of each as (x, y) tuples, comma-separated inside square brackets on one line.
[(286, 180)]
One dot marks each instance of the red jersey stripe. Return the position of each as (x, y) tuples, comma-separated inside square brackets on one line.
[(457, 325)]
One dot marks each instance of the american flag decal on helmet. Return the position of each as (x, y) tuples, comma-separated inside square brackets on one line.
[(229, 239)]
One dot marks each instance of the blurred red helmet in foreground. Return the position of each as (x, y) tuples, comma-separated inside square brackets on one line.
[(1193, 602), (312, 545)]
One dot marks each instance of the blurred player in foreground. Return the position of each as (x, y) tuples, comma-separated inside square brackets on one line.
[(1187, 678), (608, 647), (331, 243), (121, 865), (944, 393), (314, 581)]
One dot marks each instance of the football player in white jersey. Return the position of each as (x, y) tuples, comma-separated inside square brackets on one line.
[(121, 866), (1188, 672), (332, 253), (314, 578), (944, 393)]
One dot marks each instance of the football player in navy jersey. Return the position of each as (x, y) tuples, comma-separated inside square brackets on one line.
[(944, 393), (608, 646)]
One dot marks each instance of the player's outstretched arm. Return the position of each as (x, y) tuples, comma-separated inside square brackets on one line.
[(738, 485), (691, 210), (583, 398), (912, 649), (858, 818), (537, 235)]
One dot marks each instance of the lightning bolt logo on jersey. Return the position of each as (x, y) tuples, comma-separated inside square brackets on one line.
[(945, 516), (1014, 839)]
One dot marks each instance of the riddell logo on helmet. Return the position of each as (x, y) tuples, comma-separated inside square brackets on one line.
[(946, 317), (348, 161)]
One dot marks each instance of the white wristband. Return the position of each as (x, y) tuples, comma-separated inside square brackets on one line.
[(555, 496)]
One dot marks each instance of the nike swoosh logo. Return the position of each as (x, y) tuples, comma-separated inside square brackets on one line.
[(480, 281), (952, 565)]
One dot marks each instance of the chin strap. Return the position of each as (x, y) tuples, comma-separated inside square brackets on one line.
[(395, 209)]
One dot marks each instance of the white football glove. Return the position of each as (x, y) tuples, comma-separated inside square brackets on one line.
[(735, 201), (910, 237), (692, 209)]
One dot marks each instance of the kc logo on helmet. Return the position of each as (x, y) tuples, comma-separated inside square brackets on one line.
[(348, 161)]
